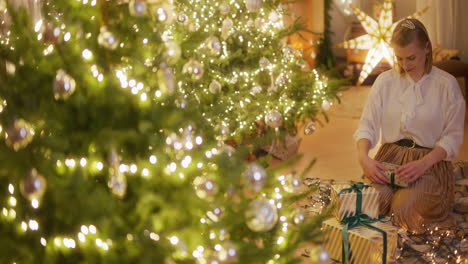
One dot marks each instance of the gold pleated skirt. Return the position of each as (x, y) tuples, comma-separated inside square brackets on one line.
[(426, 203)]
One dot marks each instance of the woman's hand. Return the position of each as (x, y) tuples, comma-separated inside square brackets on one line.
[(372, 170), (412, 171)]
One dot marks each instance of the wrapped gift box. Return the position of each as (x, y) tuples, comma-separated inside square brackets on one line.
[(346, 202), (390, 174), (366, 245)]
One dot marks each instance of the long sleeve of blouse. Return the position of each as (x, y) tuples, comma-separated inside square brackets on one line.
[(431, 111)]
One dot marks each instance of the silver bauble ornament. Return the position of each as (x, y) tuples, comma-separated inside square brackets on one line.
[(261, 215), (204, 188), (64, 85), (274, 119), (182, 18), (253, 5), (19, 135), (194, 69), (256, 90), (214, 45), (326, 105), (215, 87), (107, 39), (264, 63), (292, 183), (173, 51), (224, 8), (33, 186), (137, 7), (309, 128), (256, 175), (226, 28), (166, 79), (117, 181), (298, 216)]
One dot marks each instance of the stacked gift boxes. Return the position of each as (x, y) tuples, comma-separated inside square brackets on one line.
[(357, 211)]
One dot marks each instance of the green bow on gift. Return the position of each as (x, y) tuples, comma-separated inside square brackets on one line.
[(359, 219), (355, 221), (357, 187)]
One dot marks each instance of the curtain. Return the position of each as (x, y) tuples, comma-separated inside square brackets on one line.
[(441, 21)]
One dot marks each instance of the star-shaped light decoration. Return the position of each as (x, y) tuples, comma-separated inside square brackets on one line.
[(377, 39)]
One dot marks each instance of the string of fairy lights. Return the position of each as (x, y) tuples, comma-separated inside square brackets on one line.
[(179, 145)]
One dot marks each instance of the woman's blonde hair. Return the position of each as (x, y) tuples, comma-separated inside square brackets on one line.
[(406, 32)]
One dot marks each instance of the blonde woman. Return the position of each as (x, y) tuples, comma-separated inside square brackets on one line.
[(419, 111)]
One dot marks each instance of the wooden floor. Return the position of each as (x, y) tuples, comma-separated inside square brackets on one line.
[(333, 144)]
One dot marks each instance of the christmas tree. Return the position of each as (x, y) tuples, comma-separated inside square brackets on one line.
[(125, 127)]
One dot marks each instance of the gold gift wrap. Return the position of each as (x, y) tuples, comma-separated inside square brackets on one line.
[(391, 170), (366, 245), (346, 202)]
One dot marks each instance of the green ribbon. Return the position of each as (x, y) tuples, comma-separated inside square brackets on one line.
[(355, 221), (357, 187), (392, 178), (359, 219)]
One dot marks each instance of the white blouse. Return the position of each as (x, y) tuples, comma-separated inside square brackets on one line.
[(431, 111)]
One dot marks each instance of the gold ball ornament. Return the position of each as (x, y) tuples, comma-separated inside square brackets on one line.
[(261, 215), (256, 175), (33, 186), (107, 39), (274, 119), (253, 5), (215, 87), (309, 128), (19, 135), (194, 69), (64, 85), (214, 46), (224, 8)]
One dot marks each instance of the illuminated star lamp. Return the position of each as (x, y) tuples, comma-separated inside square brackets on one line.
[(377, 39)]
